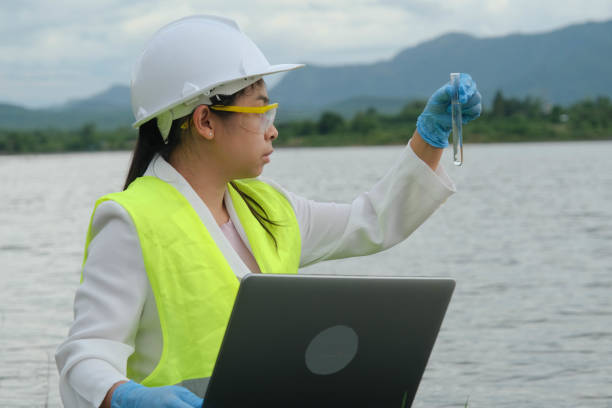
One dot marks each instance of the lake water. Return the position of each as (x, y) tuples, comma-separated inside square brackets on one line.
[(528, 237)]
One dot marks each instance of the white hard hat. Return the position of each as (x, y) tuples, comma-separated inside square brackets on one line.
[(190, 60)]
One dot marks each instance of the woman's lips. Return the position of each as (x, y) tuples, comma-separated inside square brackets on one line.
[(266, 156)]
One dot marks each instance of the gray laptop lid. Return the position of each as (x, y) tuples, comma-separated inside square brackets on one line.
[(328, 341)]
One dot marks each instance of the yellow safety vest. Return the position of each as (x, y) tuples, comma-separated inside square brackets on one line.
[(193, 284)]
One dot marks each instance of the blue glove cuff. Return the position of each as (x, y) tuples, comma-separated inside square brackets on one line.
[(117, 401), (431, 132)]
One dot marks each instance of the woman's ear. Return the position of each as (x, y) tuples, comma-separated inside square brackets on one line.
[(202, 122)]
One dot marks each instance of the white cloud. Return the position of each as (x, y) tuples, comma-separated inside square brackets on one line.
[(49, 53)]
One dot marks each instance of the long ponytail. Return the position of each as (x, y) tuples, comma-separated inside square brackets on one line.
[(149, 143)]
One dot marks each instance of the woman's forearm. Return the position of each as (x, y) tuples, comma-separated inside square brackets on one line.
[(429, 154)]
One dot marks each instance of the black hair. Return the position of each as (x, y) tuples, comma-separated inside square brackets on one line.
[(150, 142)]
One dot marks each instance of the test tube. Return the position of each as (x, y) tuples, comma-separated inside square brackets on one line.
[(456, 118)]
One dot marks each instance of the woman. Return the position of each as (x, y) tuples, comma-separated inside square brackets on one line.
[(162, 257)]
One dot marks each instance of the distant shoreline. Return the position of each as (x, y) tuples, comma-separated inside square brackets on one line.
[(281, 147), (509, 120)]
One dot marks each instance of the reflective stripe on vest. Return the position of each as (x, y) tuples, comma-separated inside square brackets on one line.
[(193, 284)]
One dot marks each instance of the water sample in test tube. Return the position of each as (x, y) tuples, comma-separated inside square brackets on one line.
[(456, 117)]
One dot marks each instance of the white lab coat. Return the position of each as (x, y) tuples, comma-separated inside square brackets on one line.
[(114, 309)]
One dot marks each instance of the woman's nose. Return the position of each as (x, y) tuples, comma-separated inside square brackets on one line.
[(271, 132)]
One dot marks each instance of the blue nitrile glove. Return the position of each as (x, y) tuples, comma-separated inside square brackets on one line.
[(134, 395), (435, 123)]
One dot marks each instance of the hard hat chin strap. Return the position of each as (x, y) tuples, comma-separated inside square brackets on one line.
[(164, 123), (165, 119)]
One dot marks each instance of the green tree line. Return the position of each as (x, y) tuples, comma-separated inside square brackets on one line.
[(86, 138), (507, 120)]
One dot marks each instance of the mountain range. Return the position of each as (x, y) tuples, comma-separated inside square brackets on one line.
[(559, 67)]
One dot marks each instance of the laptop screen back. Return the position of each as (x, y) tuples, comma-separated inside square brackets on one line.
[(328, 341)]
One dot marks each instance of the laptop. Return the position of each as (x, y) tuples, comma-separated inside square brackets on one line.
[(327, 341)]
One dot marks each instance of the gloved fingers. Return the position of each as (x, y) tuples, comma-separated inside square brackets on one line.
[(467, 88), (472, 109), (470, 114), (474, 100), (442, 96), (189, 397)]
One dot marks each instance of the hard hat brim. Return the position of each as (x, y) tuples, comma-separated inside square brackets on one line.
[(272, 69)]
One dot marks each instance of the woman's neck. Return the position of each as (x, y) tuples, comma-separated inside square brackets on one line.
[(205, 180)]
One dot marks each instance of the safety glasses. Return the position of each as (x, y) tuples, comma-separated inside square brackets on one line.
[(256, 118)]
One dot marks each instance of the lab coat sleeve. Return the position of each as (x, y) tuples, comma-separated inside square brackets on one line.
[(107, 309), (375, 220)]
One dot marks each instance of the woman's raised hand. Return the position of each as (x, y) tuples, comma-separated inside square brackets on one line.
[(435, 123)]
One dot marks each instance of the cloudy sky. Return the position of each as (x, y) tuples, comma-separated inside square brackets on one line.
[(53, 51)]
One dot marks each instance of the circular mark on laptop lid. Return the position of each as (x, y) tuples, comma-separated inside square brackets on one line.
[(331, 350)]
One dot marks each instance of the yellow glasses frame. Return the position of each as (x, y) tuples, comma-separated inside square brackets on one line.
[(245, 109)]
